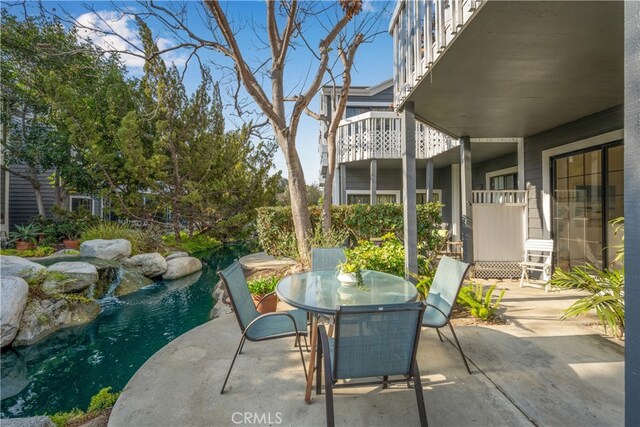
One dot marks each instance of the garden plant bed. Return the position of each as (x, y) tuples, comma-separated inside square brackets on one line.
[(461, 317)]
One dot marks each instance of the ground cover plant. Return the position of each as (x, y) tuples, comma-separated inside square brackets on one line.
[(100, 402), (480, 304)]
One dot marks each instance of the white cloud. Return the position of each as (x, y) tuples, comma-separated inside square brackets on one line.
[(115, 31)]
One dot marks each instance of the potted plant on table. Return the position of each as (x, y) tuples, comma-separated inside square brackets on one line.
[(262, 291), (25, 236), (349, 273)]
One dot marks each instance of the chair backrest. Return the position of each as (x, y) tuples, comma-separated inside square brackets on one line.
[(376, 340), (446, 284), (238, 291), (535, 249), (326, 258)]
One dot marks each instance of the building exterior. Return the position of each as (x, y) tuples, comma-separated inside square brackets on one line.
[(518, 132)]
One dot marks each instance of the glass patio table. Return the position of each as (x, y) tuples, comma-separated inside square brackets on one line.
[(320, 292)]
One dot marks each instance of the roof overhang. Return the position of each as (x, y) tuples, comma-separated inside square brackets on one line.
[(521, 67)]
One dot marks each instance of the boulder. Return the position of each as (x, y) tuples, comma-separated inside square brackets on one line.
[(72, 277), (130, 281), (13, 374), (180, 267), (176, 255), (151, 265), (106, 249), (18, 267), (43, 317), (39, 421), (14, 291)]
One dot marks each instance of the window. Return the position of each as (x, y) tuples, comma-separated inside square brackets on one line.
[(588, 191), (503, 179), (421, 196), (358, 199), (364, 197), (81, 202)]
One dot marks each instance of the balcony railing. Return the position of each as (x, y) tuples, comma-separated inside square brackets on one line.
[(422, 30), (378, 135)]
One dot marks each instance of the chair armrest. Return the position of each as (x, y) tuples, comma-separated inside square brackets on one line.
[(441, 312), (264, 297), (277, 313)]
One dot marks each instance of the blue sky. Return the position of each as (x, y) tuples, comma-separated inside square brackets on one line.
[(373, 62)]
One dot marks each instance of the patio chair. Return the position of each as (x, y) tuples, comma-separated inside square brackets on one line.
[(257, 327), (326, 258), (442, 297), (371, 341)]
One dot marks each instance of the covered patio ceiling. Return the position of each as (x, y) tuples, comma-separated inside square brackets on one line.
[(521, 67)]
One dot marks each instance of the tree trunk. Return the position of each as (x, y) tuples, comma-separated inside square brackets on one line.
[(328, 183), (299, 202), (175, 215), (57, 186), (36, 189)]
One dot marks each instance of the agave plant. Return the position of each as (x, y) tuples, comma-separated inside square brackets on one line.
[(606, 288)]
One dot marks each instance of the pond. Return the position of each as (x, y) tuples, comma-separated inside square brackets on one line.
[(64, 370)]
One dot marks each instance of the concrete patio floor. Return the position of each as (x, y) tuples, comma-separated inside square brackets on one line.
[(535, 370)]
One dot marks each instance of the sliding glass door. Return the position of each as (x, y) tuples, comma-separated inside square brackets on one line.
[(587, 193)]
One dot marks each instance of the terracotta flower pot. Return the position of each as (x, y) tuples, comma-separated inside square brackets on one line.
[(268, 305), (71, 244), (23, 246)]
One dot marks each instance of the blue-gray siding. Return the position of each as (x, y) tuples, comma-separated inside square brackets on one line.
[(480, 170), (22, 198)]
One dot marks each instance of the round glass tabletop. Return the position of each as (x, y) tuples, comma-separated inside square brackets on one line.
[(321, 291)]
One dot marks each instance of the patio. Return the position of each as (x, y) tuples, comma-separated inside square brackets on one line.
[(535, 370)]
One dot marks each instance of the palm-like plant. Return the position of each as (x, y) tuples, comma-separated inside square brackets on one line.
[(607, 294)]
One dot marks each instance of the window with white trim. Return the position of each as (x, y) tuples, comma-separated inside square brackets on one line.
[(81, 202)]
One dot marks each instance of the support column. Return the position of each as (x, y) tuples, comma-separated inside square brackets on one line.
[(632, 211), (466, 217), (373, 181), (343, 184), (429, 180), (409, 191)]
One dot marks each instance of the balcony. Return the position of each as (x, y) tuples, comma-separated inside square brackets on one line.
[(418, 42), (377, 135)]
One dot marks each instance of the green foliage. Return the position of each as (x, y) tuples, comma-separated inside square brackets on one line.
[(263, 285), (480, 304), (321, 239), (114, 230), (349, 267), (388, 257), (361, 222), (100, 401), (25, 233), (606, 289), (618, 228), (103, 399), (62, 419), (191, 244), (40, 251)]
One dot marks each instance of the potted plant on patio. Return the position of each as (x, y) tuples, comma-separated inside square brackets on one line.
[(70, 232), (262, 291), (349, 273), (25, 236)]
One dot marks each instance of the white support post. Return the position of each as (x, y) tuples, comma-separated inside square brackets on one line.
[(455, 202), (373, 182), (409, 191), (466, 217), (429, 180)]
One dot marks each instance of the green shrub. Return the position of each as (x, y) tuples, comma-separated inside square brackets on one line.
[(114, 230), (102, 400), (25, 233), (606, 289), (480, 304), (38, 252), (361, 222), (263, 285), (61, 419), (192, 245)]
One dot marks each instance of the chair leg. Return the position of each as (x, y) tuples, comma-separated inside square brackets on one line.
[(242, 347), (464, 359), (417, 384), (306, 344), (385, 382), (242, 340), (319, 368), (328, 397), (304, 366), (439, 334)]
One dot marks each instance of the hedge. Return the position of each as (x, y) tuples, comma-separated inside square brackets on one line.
[(363, 222)]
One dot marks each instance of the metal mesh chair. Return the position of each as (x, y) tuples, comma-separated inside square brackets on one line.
[(442, 296), (371, 341), (257, 327), (326, 258)]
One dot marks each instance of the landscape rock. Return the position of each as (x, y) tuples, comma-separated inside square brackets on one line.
[(106, 249), (14, 291), (130, 281), (43, 317), (18, 267), (176, 255), (151, 265), (77, 276), (14, 374), (221, 305), (39, 421), (180, 267)]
